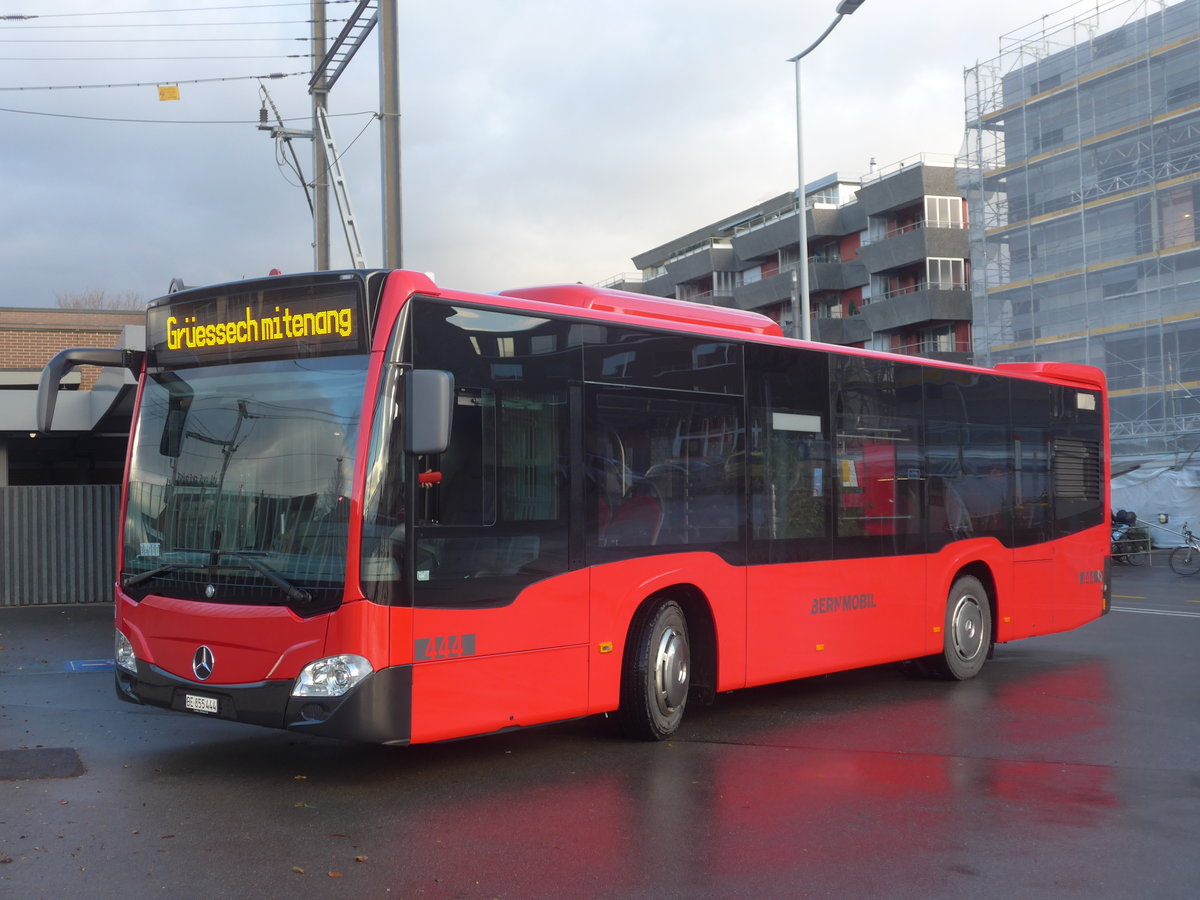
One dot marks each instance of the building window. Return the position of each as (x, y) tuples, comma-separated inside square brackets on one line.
[(830, 252), (724, 283), (946, 274), (1047, 140), (1176, 216), (944, 212)]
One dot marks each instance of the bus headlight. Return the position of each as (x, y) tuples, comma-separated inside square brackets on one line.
[(331, 676), (123, 652)]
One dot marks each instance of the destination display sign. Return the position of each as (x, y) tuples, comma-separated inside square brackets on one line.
[(282, 323)]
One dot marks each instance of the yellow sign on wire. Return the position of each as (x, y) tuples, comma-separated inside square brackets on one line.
[(168, 92)]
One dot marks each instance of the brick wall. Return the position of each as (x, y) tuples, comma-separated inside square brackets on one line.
[(30, 337)]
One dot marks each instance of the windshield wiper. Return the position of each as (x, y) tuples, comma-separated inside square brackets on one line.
[(293, 593), (132, 580)]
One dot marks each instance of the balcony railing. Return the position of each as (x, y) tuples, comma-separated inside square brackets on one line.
[(930, 346), (924, 286), (928, 159), (622, 278), (870, 238)]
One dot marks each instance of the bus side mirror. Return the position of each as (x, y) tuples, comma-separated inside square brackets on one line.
[(428, 411), (65, 360)]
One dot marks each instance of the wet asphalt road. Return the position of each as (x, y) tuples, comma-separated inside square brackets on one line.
[(1069, 768)]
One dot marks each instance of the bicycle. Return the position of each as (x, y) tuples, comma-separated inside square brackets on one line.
[(1185, 560), (1125, 548)]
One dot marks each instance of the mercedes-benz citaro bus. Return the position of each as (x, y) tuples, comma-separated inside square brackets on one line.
[(358, 504)]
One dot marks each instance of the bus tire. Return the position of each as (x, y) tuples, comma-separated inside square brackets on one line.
[(655, 673), (967, 636)]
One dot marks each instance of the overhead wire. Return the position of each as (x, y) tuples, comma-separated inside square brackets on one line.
[(229, 40), (54, 115), (145, 58), (78, 87), (13, 24), (179, 24), (136, 12)]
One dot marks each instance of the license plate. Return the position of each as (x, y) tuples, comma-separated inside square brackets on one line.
[(196, 703)]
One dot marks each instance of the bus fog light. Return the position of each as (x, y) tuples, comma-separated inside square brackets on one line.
[(331, 676), (123, 651)]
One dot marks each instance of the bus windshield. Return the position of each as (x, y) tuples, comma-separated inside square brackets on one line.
[(240, 480)]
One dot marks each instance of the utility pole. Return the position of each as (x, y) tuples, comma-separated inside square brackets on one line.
[(320, 99), (389, 112), (800, 292)]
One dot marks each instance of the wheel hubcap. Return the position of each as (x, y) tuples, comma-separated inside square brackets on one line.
[(966, 626), (671, 670)]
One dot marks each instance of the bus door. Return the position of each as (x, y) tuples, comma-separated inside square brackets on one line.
[(876, 605), (500, 623), (835, 513), (1029, 608)]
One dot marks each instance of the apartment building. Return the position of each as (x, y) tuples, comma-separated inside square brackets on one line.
[(1082, 176), (886, 256)]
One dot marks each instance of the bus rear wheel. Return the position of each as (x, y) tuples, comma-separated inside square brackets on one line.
[(967, 635), (656, 673)]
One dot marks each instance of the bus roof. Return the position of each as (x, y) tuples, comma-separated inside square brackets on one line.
[(661, 309)]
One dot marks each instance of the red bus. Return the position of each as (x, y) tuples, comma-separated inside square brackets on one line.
[(363, 506)]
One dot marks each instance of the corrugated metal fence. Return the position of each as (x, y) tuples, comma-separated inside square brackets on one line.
[(58, 543)]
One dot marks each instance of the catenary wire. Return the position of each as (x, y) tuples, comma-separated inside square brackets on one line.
[(54, 115), (138, 12), (78, 87), (143, 58), (173, 24)]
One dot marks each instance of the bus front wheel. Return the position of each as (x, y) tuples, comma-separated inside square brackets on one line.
[(968, 630), (655, 673)]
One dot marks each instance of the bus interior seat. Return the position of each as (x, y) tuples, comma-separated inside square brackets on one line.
[(638, 520)]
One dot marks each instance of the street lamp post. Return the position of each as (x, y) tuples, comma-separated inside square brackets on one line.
[(800, 297)]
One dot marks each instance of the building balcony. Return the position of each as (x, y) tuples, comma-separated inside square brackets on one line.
[(852, 330), (660, 286), (835, 276), (703, 262), (767, 292), (908, 247), (918, 306), (767, 235), (823, 275), (898, 188), (945, 351)]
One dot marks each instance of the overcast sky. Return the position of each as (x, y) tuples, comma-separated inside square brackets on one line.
[(543, 140)]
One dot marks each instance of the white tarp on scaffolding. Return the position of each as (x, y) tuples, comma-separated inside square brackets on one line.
[(1154, 490)]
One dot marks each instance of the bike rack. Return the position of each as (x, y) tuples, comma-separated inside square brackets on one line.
[(1149, 547)]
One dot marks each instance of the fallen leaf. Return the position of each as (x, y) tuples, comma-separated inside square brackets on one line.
[(335, 874), (297, 870), (360, 859)]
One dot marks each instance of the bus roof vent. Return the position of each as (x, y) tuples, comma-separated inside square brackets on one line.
[(673, 312)]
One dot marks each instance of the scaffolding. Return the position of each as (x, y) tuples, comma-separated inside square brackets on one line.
[(1081, 165)]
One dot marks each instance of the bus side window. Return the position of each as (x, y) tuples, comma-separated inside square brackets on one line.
[(787, 460), (664, 469), (464, 493), (878, 468)]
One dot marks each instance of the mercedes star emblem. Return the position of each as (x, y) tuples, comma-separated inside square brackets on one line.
[(202, 663)]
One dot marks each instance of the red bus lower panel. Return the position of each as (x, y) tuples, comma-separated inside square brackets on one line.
[(378, 711)]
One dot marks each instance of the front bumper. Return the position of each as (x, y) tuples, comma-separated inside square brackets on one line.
[(377, 711)]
